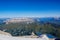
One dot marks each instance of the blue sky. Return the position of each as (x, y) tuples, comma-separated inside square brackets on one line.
[(29, 8)]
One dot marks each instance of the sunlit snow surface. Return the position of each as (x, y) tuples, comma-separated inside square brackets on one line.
[(6, 37)]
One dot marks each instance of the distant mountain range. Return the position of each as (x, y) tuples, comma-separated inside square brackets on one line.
[(2, 20), (41, 20), (50, 20)]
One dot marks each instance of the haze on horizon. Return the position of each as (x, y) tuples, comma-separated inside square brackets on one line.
[(29, 8)]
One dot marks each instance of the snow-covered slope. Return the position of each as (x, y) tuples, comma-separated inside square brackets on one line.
[(4, 37), (7, 36)]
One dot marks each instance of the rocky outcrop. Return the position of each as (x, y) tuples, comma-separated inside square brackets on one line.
[(18, 20), (4, 33)]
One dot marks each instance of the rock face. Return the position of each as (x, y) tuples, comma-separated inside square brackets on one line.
[(18, 20), (4, 33), (7, 36)]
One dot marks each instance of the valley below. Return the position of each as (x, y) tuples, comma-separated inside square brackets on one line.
[(30, 28)]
